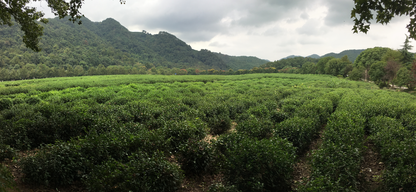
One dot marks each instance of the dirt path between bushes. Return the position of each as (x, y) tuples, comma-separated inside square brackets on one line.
[(302, 168), (372, 169)]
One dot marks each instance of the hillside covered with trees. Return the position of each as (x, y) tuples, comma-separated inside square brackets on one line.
[(351, 54), (100, 48), (384, 66)]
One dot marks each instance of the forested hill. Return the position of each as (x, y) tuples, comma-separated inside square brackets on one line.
[(108, 43), (241, 62), (352, 55)]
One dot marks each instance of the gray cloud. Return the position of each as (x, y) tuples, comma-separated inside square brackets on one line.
[(339, 12), (312, 28), (304, 16), (202, 20), (217, 44)]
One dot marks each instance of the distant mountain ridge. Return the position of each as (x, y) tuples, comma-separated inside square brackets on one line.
[(352, 54), (108, 43)]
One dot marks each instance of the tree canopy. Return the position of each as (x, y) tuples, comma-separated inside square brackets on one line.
[(385, 10), (27, 17)]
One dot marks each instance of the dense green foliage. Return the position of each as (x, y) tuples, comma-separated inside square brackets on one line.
[(106, 48), (351, 54), (384, 66), (27, 17), (364, 11), (144, 133), (241, 62)]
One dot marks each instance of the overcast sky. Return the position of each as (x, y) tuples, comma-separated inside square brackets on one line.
[(268, 29)]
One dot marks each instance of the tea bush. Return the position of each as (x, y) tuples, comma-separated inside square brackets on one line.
[(30, 126), (141, 173), (278, 116), (5, 103), (260, 111), (409, 122), (6, 152), (219, 124), (256, 127), (319, 109), (196, 157), (299, 131), (336, 164), (259, 165), (396, 145), (33, 100), (66, 162), (7, 182), (179, 132), (338, 161)]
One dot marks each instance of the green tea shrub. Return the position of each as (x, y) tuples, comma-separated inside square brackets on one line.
[(18, 100), (7, 182), (300, 131), (33, 100), (409, 122), (219, 124), (5, 103), (191, 102), (217, 116), (401, 165), (336, 164), (6, 152), (319, 109), (66, 162), (259, 165), (259, 111), (31, 126), (335, 97), (228, 141), (102, 96), (196, 157), (242, 117), (289, 109), (396, 145), (236, 108), (179, 132), (285, 93), (215, 109), (120, 100), (386, 129), (386, 105), (278, 116), (141, 173), (256, 127)]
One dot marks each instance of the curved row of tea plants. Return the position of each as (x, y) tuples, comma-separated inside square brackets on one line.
[(336, 164)]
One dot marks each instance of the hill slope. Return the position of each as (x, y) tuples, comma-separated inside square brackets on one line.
[(241, 62), (106, 43), (352, 55)]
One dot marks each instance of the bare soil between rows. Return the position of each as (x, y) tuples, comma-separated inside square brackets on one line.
[(302, 168)]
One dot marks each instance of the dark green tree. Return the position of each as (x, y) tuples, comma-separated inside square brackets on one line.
[(403, 77), (320, 66), (368, 57), (364, 11), (336, 67), (407, 56), (27, 17), (377, 73)]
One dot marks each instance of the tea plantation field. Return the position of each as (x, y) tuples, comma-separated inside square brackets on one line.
[(205, 133)]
